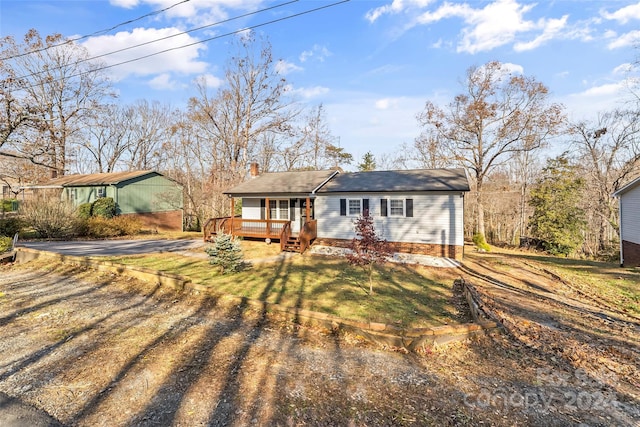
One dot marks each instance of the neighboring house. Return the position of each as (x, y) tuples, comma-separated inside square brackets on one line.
[(418, 211), (629, 199), (150, 196)]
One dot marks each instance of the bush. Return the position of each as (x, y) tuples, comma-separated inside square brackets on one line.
[(10, 226), (9, 205), (84, 210), (5, 244), (51, 218), (100, 227), (480, 242), (104, 207), (226, 254)]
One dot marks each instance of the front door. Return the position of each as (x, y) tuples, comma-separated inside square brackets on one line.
[(294, 215)]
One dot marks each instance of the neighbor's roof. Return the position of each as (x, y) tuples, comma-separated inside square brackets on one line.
[(629, 186), (399, 181), (113, 178), (296, 182)]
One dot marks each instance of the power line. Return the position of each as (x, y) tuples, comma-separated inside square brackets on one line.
[(159, 39), (195, 43), (96, 33)]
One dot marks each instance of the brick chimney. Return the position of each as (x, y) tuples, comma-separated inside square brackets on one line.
[(254, 170)]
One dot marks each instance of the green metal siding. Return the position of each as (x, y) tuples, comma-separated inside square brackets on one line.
[(149, 193)]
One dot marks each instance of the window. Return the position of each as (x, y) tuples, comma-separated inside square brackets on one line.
[(279, 209), (101, 192), (355, 207), (396, 207)]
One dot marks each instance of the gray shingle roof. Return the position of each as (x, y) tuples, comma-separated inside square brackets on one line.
[(296, 182), (398, 181), (96, 178)]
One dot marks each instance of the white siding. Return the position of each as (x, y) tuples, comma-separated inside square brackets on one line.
[(250, 208), (630, 215), (437, 218)]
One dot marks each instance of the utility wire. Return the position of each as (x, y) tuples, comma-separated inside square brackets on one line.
[(158, 40), (96, 33), (194, 43)]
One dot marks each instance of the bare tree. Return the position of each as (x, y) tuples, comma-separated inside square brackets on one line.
[(235, 119), (58, 86), (609, 153), (149, 126), (107, 137), (498, 114)]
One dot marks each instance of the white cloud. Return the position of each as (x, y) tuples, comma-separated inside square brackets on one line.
[(283, 67), (163, 81), (127, 4), (488, 26), (595, 99), (199, 12), (318, 52), (211, 81), (624, 15), (307, 92), (396, 6), (629, 39), (552, 28), (182, 60), (388, 103), (623, 69)]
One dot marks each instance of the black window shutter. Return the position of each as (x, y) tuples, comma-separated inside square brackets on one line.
[(383, 207), (365, 207), (292, 209), (409, 208), (263, 208), (343, 207)]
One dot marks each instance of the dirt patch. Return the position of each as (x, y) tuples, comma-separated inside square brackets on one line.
[(99, 349)]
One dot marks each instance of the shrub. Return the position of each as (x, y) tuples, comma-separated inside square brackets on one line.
[(225, 253), (127, 225), (8, 205), (480, 242), (100, 227), (104, 207), (10, 226), (84, 210), (51, 217), (5, 244)]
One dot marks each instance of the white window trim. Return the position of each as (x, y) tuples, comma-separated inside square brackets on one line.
[(404, 208), (101, 190), (277, 209), (349, 210)]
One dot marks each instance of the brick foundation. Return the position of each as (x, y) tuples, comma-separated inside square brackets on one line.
[(443, 251), (630, 254), (164, 221)]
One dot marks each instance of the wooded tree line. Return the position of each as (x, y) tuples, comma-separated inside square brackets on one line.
[(60, 114)]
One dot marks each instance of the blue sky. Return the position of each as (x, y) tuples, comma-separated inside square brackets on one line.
[(372, 64)]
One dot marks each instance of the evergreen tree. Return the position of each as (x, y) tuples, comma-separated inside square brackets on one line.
[(368, 162), (225, 253), (557, 218)]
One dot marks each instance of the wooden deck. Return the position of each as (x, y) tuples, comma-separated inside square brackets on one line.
[(263, 229)]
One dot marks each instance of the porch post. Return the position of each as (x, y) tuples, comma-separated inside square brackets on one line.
[(308, 209), (267, 216), (232, 213)]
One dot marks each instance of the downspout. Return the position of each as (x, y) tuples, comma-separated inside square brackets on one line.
[(621, 234)]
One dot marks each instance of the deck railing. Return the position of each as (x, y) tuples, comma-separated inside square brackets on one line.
[(214, 226), (261, 228), (285, 233), (307, 234)]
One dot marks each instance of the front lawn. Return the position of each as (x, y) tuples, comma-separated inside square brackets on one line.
[(403, 296)]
